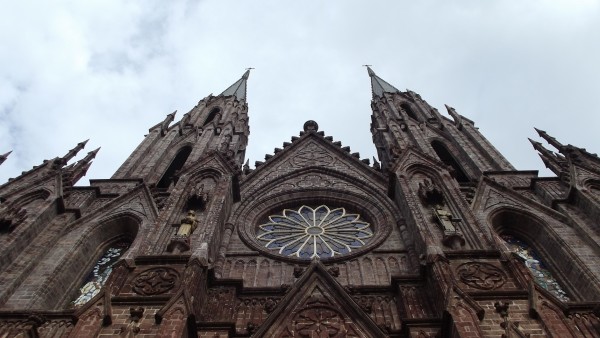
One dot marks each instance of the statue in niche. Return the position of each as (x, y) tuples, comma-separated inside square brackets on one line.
[(430, 194), (188, 224), (445, 218), (433, 197), (453, 238), (196, 204)]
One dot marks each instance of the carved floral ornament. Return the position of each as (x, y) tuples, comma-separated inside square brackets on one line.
[(483, 276), (314, 233)]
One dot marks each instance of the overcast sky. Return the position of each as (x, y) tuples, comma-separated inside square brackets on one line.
[(109, 70)]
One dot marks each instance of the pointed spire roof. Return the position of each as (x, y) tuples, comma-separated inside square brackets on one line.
[(380, 86), (238, 89), (551, 140), (73, 152), (3, 157), (551, 160)]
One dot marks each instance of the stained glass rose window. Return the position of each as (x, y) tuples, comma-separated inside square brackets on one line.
[(320, 232)]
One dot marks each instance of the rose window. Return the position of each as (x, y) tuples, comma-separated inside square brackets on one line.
[(308, 233)]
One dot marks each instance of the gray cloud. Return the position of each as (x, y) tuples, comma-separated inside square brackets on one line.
[(108, 70)]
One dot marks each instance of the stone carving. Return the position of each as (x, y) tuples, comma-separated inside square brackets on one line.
[(133, 328), (334, 271), (11, 217), (312, 155), (155, 281), (270, 305), (313, 181), (429, 193), (445, 218), (453, 238), (319, 322), (188, 224), (432, 196), (483, 276)]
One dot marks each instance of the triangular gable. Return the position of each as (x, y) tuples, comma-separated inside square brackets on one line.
[(490, 195), (212, 160), (316, 306), (311, 150)]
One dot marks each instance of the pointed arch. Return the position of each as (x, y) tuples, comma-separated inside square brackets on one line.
[(445, 156), (98, 276), (106, 245), (408, 110), (211, 115), (66, 267), (531, 240), (176, 165)]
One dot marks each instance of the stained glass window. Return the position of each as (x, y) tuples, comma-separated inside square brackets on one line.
[(320, 232), (99, 274), (536, 266)]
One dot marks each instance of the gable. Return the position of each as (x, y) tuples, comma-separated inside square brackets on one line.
[(311, 152), (321, 309)]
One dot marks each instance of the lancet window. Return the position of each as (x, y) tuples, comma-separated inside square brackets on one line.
[(446, 157), (211, 116), (99, 274), (532, 260), (176, 165), (408, 110)]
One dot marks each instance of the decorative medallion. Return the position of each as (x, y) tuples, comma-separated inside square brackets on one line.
[(155, 281), (480, 275), (308, 233)]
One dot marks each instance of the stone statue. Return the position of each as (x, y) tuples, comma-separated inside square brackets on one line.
[(188, 224), (444, 217)]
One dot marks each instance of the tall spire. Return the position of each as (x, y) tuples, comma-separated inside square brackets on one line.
[(380, 86), (238, 89)]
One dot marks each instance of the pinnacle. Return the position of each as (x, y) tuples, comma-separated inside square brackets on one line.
[(4, 156)]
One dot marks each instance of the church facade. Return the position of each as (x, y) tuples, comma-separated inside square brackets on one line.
[(440, 237)]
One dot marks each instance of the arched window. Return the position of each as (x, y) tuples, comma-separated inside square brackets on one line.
[(211, 116), (408, 111), (445, 156), (536, 266), (177, 164), (99, 274)]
